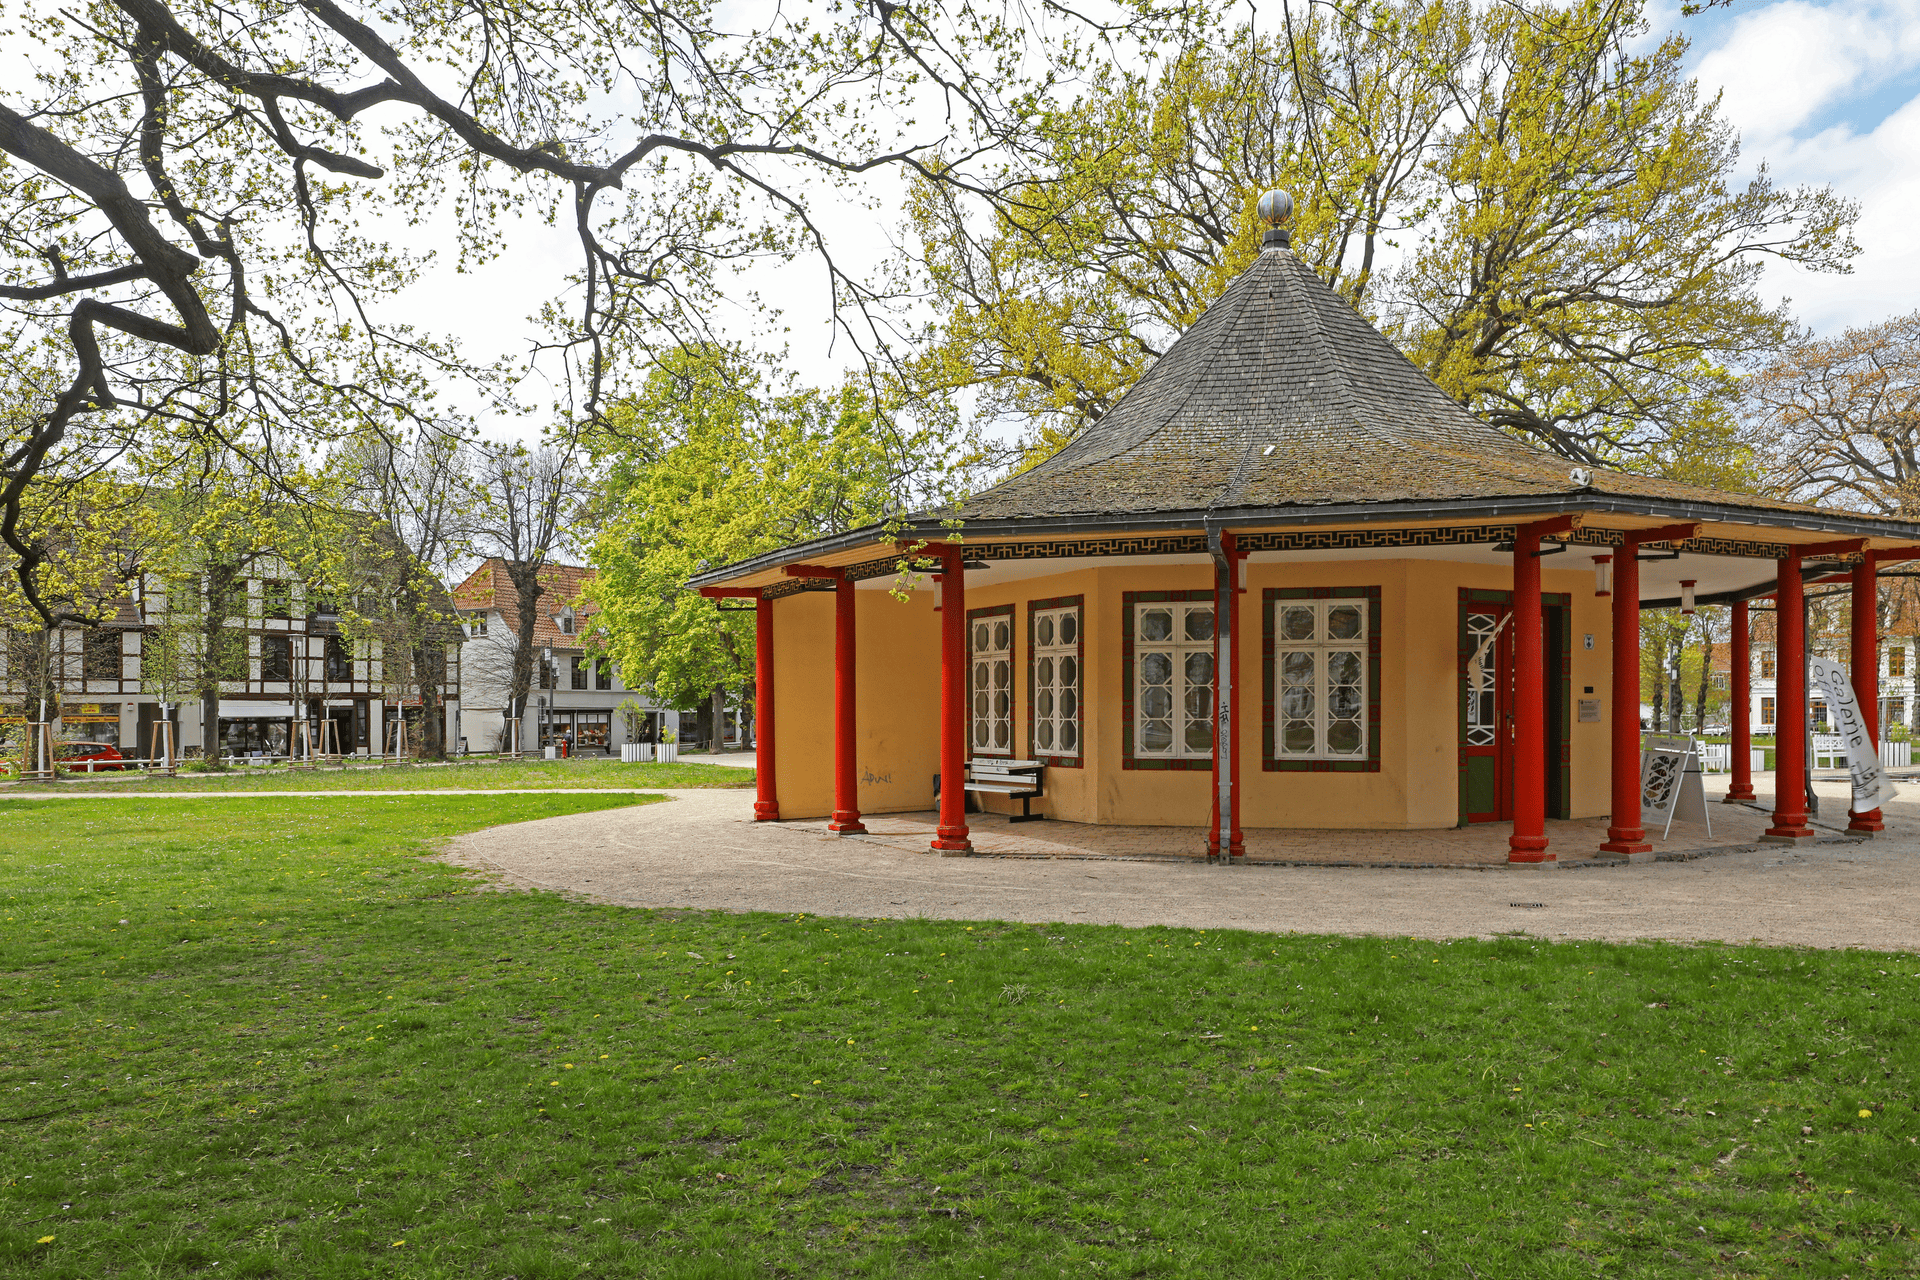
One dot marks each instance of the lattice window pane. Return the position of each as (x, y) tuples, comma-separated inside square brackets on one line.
[(992, 644), (1174, 681), (1056, 682), (1320, 680)]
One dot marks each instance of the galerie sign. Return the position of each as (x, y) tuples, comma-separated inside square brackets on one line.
[(1871, 785)]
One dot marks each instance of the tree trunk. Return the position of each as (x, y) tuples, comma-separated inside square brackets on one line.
[(525, 576), (219, 646), (1706, 679), (719, 700), (430, 666)]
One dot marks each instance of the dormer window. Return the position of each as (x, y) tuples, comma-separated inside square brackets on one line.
[(476, 624), (566, 621)]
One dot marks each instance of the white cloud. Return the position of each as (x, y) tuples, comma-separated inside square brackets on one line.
[(1783, 64), (1789, 70)]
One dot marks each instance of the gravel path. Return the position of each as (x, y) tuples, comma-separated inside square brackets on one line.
[(702, 852)]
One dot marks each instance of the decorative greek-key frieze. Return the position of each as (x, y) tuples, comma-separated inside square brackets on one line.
[(1285, 540)]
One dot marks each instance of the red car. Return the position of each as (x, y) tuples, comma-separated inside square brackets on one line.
[(91, 757)]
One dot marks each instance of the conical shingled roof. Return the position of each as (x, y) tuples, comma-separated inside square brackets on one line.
[(1281, 395)]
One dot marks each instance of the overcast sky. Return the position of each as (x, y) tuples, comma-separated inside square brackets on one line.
[(1826, 93)]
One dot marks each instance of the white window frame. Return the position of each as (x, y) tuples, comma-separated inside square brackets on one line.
[(1051, 688), (990, 700), (1323, 647), (1178, 648)]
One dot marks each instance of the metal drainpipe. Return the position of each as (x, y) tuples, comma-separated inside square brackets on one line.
[(1223, 670)]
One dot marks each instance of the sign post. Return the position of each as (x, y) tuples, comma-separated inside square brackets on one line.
[(1670, 784)]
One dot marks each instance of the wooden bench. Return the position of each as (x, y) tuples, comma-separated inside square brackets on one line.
[(1015, 779)]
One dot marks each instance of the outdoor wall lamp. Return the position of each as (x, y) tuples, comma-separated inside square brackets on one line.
[(1686, 595), (1603, 575)]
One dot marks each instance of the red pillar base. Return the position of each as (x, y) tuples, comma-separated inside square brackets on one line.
[(1529, 850), (1867, 824), (846, 823), (1626, 841), (766, 811), (1790, 835), (952, 842), (1737, 794)]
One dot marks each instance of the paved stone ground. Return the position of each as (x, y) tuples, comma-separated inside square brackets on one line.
[(702, 851)]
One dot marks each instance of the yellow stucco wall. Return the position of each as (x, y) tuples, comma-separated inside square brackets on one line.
[(896, 710), (1416, 786)]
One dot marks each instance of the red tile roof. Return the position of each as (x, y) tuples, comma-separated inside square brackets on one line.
[(489, 587)]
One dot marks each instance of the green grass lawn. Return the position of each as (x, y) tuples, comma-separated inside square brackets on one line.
[(308, 1053), (476, 774)]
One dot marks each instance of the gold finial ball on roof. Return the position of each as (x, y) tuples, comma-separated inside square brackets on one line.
[(1276, 208)]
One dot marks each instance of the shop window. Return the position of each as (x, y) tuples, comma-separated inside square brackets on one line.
[(276, 658), (100, 654), (990, 641), (1768, 667), (593, 730), (338, 662), (1897, 660), (1766, 712), (254, 736), (1320, 679), (1054, 668), (1173, 681), (581, 667)]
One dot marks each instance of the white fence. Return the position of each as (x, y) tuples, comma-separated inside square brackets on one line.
[(1829, 752)]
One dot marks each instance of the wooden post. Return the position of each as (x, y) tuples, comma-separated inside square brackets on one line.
[(160, 746), (766, 808), (846, 764), (951, 837), (1742, 673), (1528, 843), (1865, 637), (1790, 712)]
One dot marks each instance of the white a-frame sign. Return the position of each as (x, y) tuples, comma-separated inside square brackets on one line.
[(1871, 785), (1670, 784)]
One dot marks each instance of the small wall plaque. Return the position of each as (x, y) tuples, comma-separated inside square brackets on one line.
[(1589, 711)]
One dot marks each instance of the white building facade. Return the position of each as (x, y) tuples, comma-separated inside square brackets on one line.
[(577, 701), (1897, 705)]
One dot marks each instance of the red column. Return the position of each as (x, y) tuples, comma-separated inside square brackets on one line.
[(1625, 834), (1528, 843), (950, 839), (1866, 670), (1741, 661), (766, 807), (1236, 838), (846, 782), (1790, 712)]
